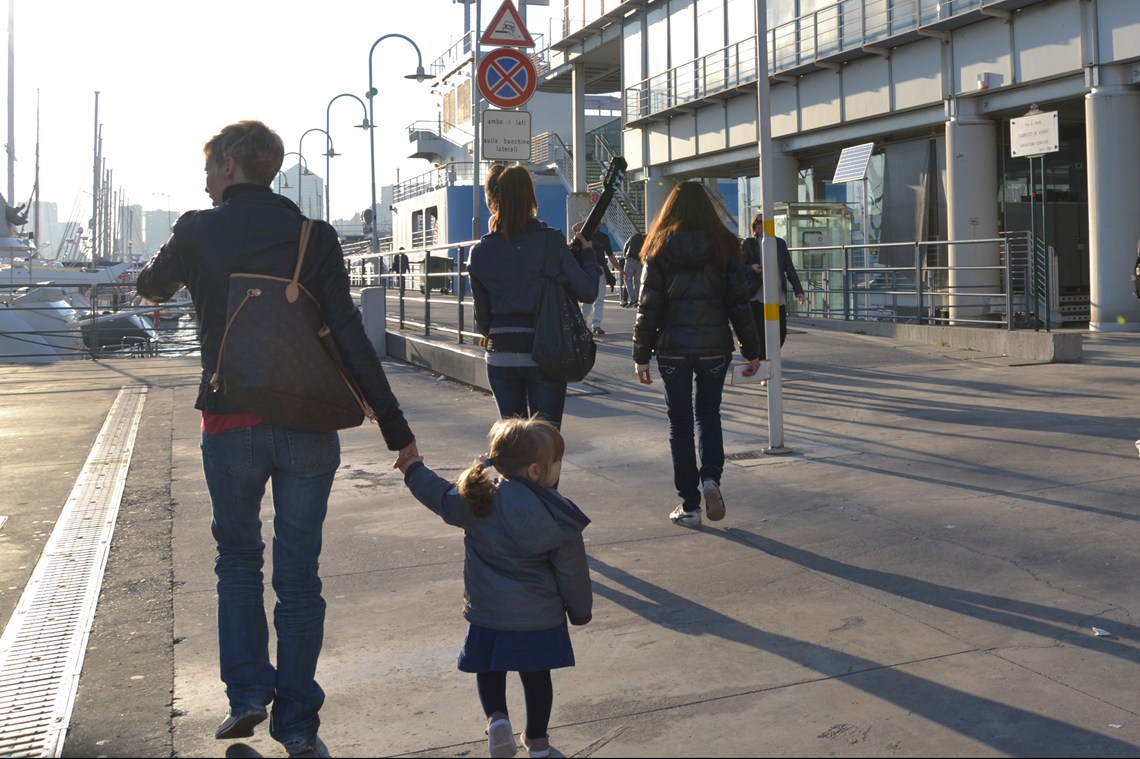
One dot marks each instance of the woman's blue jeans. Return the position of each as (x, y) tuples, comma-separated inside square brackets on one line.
[(525, 390), (679, 376), (300, 465)]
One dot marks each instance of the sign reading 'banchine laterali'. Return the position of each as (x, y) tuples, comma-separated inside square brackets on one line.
[(506, 135)]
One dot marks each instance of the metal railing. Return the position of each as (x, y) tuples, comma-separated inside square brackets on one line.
[(432, 269), (847, 282), (846, 29)]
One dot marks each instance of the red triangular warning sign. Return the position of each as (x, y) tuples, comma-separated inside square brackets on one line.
[(506, 28)]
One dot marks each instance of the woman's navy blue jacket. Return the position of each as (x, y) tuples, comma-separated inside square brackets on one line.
[(506, 276)]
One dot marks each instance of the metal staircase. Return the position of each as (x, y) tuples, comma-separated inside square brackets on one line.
[(626, 213)]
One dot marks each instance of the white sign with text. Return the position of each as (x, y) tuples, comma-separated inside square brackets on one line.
[(506, 135)]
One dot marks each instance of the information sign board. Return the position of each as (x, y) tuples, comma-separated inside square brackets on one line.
[(506, 135)]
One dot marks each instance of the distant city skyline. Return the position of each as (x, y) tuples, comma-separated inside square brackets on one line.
[(169, 79)]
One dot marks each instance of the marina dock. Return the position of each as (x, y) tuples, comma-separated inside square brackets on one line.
[(940, 560)]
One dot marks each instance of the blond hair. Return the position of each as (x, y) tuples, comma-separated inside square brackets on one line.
[(256, 148), (513, 445)]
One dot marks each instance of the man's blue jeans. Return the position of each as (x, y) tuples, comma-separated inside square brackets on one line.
[(525, 390), (679, 376), (301, 465)]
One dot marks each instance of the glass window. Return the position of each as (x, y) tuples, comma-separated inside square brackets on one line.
[(740, 18), (657, 40), (632, 65), (710, 26), (682, 31)]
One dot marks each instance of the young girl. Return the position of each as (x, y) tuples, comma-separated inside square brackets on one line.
[(524, 573)]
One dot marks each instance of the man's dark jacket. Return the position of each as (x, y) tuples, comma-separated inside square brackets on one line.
[(257, 231), (750, 249)]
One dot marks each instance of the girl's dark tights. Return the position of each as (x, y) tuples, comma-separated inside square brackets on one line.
[(538, 692)]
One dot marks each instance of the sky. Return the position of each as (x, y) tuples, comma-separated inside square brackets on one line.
[(171, 74)]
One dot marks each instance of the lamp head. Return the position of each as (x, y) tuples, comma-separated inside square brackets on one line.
[(364, 124), (331, 154), (420, 75)]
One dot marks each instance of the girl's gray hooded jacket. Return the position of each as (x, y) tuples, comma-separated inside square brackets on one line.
[(525, 563)]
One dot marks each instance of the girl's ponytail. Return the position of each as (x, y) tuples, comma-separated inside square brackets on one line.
[(477, 488)]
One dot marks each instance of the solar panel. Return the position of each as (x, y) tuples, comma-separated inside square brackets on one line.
[(853, 163)]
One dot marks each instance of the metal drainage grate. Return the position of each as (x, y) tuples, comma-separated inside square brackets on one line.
[(41, 650), (744, 455)]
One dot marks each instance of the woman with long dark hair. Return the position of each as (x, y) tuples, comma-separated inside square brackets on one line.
[(694, 295), (506, 277)]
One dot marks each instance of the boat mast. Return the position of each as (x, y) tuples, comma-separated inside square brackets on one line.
[(95, 188), (11, 104), (36, 185)]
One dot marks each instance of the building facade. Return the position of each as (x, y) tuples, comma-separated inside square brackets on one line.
[(937, 101)]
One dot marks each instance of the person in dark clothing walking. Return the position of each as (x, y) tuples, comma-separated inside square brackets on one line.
[(506, 277), (694, 297), (252, 229), (754, 269), (631, 270)]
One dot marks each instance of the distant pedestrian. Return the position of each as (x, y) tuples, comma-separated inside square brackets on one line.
[(754, 269), (400, 268), (592, 310), (524, 571), (693, 297), (631, 270), (505, 268), (249, 229)]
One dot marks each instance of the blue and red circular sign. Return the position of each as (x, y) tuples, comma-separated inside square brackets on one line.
[(506, 77)]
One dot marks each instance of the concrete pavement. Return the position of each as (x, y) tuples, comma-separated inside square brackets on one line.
[(918, 575)]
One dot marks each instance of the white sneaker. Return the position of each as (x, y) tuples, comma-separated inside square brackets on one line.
[(714, 502), (1138, 445), (685, 518), (500, 736)]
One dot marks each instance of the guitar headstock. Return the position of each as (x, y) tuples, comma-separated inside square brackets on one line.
[(615, 173)]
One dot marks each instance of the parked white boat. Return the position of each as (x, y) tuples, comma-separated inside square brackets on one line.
[(19, 271)]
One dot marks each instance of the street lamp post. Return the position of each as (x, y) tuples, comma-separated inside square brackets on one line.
[(328, 152), (366, 124), (169, 225), (419, 76), (302, 168)]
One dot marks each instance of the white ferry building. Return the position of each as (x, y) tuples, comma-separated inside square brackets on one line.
[(944, 137)]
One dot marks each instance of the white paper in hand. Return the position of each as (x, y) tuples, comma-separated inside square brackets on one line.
[(738, 377)]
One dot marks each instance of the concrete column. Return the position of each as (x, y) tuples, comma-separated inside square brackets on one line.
[(578, 126), (578, 202), (785, 179), (1114, 197), (373, 311), (972, 184), (657, 189)]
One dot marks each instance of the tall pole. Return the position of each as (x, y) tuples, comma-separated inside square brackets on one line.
[(95, 185), (476, 226), (11, 109), (419, 76), (771, 324), (329, 153), (328, 149)]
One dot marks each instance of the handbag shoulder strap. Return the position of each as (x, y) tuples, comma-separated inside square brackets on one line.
[(552, 258), (293, 289)]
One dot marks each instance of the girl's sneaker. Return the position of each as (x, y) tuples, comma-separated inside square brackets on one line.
[(536, 747), (500, 736)]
